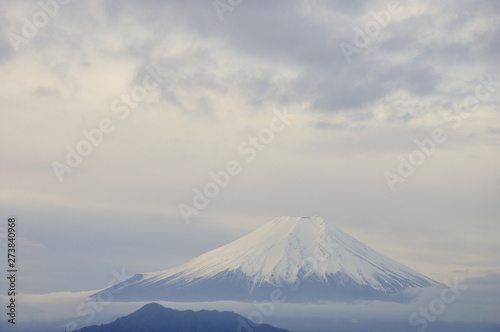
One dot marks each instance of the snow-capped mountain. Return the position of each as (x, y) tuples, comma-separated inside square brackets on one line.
[(307, 258)]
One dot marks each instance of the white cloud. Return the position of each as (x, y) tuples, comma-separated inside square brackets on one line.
[(223, 81)]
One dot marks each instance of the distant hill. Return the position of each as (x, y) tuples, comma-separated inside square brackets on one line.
[(156, 318)]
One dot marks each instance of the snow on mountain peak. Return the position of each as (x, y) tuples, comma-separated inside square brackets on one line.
[(277, 251), (285, 250)]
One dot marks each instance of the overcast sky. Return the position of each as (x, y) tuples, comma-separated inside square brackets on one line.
[(178, 89)]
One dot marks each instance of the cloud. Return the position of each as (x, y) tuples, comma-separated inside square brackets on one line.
[(222, 82), (474, 307)]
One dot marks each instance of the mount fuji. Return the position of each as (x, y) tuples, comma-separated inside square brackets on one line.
[(306, 258)]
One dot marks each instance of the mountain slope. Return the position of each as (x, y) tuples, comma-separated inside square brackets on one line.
[(156, 318), (309, 257)]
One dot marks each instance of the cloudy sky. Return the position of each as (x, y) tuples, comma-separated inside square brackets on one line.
[(115, 113)]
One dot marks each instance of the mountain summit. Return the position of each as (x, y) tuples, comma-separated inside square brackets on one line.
[(307, 258)]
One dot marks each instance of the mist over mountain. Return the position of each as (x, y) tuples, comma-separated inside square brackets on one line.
[(307, 257)]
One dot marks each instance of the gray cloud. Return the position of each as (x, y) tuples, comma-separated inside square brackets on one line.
[(222, 81), (474, 308)]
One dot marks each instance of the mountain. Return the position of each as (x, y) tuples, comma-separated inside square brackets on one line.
[(156, 318), (307, 259)]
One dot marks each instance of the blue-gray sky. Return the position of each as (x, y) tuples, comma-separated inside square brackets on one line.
[(221, 81)]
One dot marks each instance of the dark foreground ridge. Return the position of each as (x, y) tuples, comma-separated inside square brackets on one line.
[(154, 317)]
